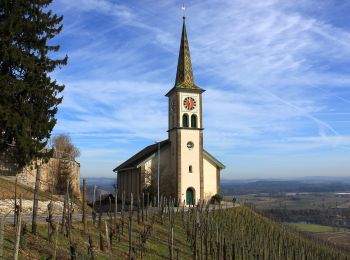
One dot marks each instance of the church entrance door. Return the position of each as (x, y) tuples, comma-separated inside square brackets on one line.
[(190, 196)]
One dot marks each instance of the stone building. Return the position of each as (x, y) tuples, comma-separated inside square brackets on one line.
[(188, 173), (49, 174)]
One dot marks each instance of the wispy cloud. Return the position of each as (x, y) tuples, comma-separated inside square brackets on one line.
[(276, 74)]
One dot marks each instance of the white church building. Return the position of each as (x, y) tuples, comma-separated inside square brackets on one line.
[(188, 173)]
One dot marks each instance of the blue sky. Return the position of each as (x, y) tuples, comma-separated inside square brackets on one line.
[(277, 75)]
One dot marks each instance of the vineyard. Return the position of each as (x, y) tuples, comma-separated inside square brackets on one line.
[(168, 232)]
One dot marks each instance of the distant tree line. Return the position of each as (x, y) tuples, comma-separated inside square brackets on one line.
[(277, 187), (328, 217)]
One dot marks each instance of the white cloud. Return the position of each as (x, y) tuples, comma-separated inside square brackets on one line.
[(274, 74)]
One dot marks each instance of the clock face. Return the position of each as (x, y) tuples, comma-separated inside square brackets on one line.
[(190, 103)]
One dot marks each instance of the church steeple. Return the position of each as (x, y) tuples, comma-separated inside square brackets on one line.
[(184, 73)]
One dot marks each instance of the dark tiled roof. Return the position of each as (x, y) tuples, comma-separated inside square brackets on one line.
[(184, 73), (141, 155)]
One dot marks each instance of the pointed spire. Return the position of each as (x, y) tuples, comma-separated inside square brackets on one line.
[(184, 74)]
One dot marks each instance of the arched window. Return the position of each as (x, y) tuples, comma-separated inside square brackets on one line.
[(190, 168), (194, 121), (185, 120)]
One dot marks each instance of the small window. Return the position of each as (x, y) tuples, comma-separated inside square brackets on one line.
[(190, 169), (185, 120), (190, 145), (194, 121)]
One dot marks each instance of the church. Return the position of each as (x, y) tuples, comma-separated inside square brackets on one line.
[(187, 172)]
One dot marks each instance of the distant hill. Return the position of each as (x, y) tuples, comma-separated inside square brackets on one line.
[(104, 186), (308, 184)]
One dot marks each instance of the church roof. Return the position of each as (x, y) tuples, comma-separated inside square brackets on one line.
[(141, 156), (184, 74), (213, 159), (133, 161)]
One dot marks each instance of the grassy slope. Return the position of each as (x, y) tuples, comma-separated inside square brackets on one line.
[(8, 187), (37, 247), (316, 228), (241, 224), (250, 228), (7, 190)]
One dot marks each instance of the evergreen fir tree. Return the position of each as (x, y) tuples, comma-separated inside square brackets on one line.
[(28, 96)]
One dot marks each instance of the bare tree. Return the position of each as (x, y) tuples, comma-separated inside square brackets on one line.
[(65, 150), (64, 147)]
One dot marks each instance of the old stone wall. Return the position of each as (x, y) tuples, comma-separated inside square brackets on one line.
[(49, 173)]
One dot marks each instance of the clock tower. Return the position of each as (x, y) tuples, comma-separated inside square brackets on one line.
[(177, 167), (186, 129)]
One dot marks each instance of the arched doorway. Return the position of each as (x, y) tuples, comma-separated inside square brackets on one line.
[(190, 196)]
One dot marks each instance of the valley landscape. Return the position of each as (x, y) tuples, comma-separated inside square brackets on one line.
[(244, 156)]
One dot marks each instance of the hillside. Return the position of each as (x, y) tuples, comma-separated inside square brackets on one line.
[(8, 187), (237, 233)]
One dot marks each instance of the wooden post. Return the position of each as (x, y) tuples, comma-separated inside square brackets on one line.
[(142, 207), (69, 209), (18, 230), (36, 197), (73, 252), (84, 205), (64, 212), (50, 223), (115, 205), (107, 237), (101, 242), (110, 208), (2, 234), (122, 211), (172, 242), (94, 199), (138, 210), (91, 249), (147, 206), (15, 215), (130, 225), (54, 257), (100, 214)]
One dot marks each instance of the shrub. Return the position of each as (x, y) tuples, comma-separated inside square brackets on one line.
[(216, 199)]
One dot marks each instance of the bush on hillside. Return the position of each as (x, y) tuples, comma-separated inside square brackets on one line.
[(216, 199)]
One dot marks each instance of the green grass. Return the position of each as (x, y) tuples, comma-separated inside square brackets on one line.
[(250, 233), (38, 247), (8, 187), (312, 227)]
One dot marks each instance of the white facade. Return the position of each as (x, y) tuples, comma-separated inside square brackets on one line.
[(187, 172)]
